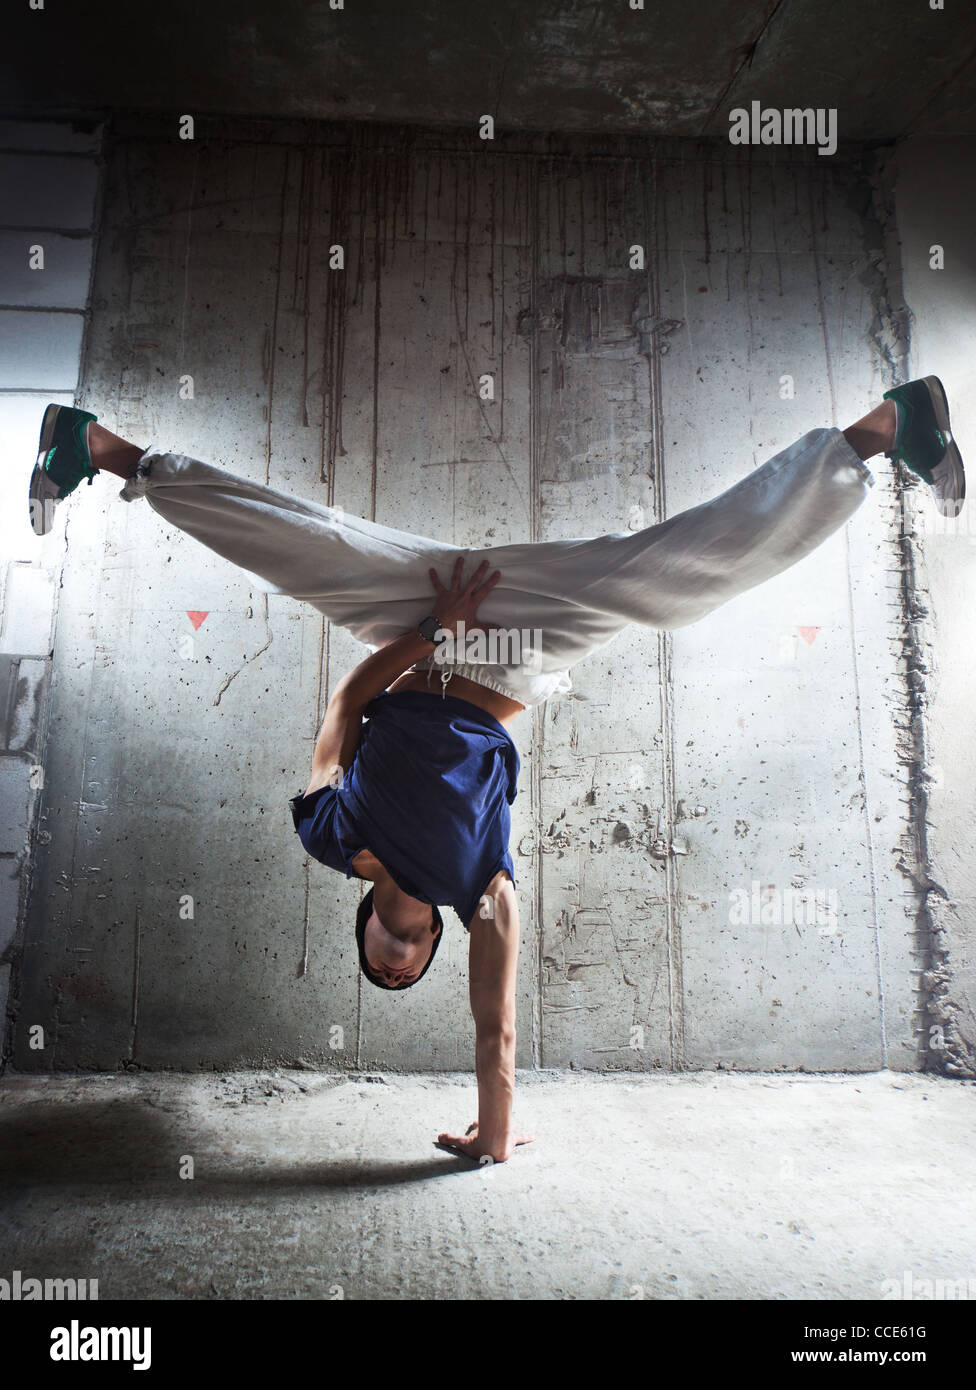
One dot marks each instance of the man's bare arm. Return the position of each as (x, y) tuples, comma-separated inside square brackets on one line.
[(341, 729), (380, 669), (336, 744), (493, 970)]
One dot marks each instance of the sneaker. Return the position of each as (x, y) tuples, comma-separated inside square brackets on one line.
[(924, 441), (63, 461)]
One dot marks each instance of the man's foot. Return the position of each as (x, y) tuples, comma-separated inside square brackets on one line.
[(924, 443), (63, 461)]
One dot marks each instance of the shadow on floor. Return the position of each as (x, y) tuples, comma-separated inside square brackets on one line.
[(124, 1143)]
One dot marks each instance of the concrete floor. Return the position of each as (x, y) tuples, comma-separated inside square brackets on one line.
[(698, 1186)]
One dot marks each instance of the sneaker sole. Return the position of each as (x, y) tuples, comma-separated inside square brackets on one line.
[(41, 507), (951, 466)]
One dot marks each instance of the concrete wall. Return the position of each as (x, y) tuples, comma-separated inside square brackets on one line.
[(49, 178), (755, 755), (934, 189)]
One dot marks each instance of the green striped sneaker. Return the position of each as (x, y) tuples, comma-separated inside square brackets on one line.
[(924, 441), (63, 461)]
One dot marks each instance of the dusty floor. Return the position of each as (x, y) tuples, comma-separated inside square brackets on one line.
[(702, 1186)]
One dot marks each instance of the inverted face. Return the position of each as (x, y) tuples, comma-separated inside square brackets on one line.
[(392, 961)]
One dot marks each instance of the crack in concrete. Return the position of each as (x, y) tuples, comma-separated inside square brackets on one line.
[(250, 659), (941, 1046)]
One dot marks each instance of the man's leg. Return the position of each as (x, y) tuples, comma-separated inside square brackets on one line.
[(874, 433), (580, 593), (370, 579), (112, 454), (675, 573)]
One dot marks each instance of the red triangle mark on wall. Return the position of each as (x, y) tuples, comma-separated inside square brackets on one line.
[(808, 634), (196, 617)]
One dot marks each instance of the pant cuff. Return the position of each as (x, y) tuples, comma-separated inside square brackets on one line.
[(136, 485), (853, 457)]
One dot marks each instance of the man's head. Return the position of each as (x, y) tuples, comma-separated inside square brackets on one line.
[(396, 951)]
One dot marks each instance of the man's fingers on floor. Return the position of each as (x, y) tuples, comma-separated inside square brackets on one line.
[(458, 1147)]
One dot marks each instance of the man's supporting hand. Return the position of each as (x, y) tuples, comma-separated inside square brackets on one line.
[(471, 1145)]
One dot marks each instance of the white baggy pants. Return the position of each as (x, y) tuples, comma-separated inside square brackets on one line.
[(575, 594)]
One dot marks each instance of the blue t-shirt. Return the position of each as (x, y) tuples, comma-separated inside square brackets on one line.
[(428, 793)]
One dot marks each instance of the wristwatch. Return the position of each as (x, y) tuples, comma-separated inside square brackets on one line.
[(429, 628)]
